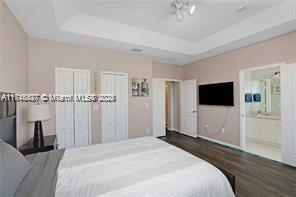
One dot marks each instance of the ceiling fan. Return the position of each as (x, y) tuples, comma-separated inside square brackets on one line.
[(179, 7)]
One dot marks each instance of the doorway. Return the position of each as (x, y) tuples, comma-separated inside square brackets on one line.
[(165, 100), (261, 103), (172, 105)]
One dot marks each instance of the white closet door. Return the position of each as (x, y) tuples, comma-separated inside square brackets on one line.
[(81, 109), (108, 109), (121, 93), (158, 101), (288, 103), (64, 111)]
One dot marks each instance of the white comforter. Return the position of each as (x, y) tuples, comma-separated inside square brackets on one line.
[(138, 167)]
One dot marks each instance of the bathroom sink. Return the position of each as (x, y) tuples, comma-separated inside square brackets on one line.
[(264, 116)]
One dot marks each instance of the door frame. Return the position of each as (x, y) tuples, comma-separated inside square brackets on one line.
[(168, 80), (288, 111), (127, 100), (242, 100), (89, 90)]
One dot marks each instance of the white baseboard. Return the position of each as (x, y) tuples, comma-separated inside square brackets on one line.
[(219, 142), (173, 129)]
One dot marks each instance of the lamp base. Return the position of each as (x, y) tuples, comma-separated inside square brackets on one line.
[(38, 140)]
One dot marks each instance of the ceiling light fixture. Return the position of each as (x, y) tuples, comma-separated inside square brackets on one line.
[(192, 10), (178, 7), (277, 75)]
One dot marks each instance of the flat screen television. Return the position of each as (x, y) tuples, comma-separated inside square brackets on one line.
[(220, 94)]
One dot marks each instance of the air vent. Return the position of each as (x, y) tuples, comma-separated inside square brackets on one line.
[(136, 50)]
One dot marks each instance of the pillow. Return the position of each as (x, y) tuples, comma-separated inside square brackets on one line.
[(13, 168)]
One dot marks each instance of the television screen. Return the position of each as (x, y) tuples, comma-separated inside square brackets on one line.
[(216, 94)]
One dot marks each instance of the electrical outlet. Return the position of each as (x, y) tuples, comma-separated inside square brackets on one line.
[(223, 130), (207, 127), (147, 131)]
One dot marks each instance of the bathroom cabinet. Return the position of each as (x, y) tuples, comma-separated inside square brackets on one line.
[(264, 130)]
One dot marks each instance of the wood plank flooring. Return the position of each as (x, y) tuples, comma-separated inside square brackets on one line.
[(255, 176)]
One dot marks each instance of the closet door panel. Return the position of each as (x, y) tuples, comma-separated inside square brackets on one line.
[(81, 109), (108, 109), (121, 107), (64, 111)]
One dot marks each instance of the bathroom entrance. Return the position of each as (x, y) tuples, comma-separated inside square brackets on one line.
[(261, 100)]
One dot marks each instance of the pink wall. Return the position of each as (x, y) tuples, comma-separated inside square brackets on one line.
[(14, 64), (226, 67), (46, 55), (167, 71)]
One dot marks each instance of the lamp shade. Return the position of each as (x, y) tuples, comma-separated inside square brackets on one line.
[(38, 112)]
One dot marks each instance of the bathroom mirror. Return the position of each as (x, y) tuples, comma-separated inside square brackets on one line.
[(266, 95), (263, 91), (261, 95)]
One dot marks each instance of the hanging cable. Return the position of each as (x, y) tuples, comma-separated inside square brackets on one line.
[(223, 124)]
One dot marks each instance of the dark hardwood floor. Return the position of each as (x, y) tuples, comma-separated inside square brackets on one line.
[(255, 176)]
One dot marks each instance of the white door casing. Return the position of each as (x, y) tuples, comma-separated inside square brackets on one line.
[(188, 108), (288, 100), (158, 102), (242, 111)]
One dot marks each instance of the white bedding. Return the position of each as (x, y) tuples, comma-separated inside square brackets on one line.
[(138, 167)]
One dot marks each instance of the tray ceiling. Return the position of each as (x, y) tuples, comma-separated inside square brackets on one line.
[(215, 28)]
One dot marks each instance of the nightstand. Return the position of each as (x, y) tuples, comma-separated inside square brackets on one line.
[(50, 143)]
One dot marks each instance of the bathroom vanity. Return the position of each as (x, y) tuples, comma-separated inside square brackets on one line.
[(264, 128)]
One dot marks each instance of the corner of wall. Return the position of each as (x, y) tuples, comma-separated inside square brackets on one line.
[(14, 61)]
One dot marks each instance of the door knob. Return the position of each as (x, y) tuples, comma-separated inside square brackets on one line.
[(194, 111)]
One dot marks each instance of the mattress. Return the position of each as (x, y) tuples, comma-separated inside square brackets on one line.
[(138, 167)]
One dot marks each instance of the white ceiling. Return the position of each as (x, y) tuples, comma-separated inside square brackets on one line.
[(154, 15), (215, 28)]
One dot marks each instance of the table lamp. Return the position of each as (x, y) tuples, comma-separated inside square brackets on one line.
[(37, 114)]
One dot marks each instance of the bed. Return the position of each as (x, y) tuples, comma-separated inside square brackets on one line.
[(137, 167)]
